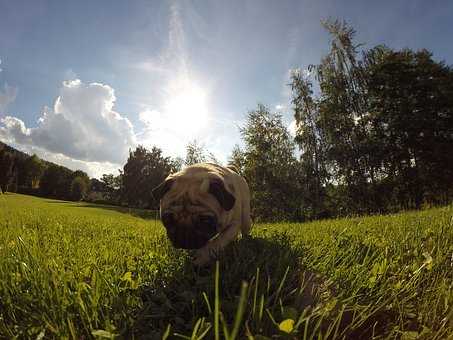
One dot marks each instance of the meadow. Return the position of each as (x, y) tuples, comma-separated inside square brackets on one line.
[(80, 271)]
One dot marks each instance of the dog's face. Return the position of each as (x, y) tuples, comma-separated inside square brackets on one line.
[(191, 208)]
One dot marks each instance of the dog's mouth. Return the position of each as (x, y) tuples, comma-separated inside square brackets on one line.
[(190, 236)]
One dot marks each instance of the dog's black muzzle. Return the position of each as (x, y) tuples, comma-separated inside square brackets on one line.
[(190, 236)]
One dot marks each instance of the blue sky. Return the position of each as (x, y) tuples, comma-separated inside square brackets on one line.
[(83, 81)]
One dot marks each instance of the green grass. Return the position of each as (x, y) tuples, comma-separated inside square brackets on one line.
[(72, 270)]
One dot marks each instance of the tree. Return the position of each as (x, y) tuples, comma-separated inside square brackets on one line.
[(177, 164), (145, 170), (6, 169), (270, 166), (56, 182), (237, 159), (411, 105), (110, 186), (378, 135), (80, 185), (195, 153), (79, 188), (97, 185), (310, 139), (83, 175), (342, 111), (34, 169)]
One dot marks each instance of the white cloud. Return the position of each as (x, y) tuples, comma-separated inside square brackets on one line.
[(81, 127), (150, 117)]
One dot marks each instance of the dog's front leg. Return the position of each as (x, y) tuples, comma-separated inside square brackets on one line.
[(212, 248)]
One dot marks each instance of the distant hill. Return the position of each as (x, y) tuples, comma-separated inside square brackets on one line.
[(17, 153), (22, 156), (28, 174)]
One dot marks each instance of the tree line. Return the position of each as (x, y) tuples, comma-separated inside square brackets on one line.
[(374, 134), (144, 170), (27, 174), (378, 135)]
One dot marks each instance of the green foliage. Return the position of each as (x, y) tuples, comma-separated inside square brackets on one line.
[(269, 164), (97, 272), (411, 105), (56, 182), (79, 188), (237, 160), (143, 171), (195, 153), (12, 172), (110, 186), (314, 174), (376, 137), (23, 173), (6, 169), (34, 168)]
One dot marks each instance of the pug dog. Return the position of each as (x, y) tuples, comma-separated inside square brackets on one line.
[(204, 207)]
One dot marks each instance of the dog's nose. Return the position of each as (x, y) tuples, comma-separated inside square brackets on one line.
[(205, 226)]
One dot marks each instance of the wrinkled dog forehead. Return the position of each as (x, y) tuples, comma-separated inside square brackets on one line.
[(191, 188), (195, 187), (182, 188)]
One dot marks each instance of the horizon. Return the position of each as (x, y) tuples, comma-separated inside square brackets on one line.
[(82, 83)]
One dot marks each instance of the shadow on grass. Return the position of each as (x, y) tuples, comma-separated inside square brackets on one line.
[(279, 288), (276, 283)]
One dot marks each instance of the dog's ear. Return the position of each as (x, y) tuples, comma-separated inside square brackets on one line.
[(159, 191), (217, 189)]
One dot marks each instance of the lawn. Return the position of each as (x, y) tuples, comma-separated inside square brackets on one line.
[(73, 270)]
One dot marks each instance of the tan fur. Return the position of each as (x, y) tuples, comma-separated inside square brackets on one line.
[(189, 194)]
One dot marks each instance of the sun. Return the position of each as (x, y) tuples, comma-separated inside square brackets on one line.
[(185, 109)]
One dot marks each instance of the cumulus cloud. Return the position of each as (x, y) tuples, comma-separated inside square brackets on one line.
[(82, 126)]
